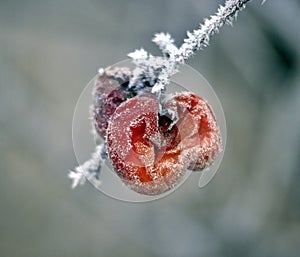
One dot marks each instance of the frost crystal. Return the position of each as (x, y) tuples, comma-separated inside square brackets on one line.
[(199, 38), (138, 55), (90, 169), (166, 43)]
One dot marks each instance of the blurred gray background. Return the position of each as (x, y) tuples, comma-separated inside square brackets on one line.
[(49, 50)]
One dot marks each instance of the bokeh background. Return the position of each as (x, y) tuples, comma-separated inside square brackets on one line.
[(49, 50)]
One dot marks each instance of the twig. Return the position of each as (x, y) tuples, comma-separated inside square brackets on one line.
[(90, 169), (158, 70)]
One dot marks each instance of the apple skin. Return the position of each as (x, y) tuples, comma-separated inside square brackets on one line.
[(198, 127), (142, 157), (109, 92), (150, 156)]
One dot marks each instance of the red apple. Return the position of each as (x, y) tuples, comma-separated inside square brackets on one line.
[(198, 128), (108, 94), (150, 156)]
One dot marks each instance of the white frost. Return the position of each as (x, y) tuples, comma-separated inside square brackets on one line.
[(90, 169), (160, 69)]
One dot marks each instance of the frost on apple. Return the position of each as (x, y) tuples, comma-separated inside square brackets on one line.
[(150, 141), (198, 127), (108, 95), (149, 154), (144, 156)]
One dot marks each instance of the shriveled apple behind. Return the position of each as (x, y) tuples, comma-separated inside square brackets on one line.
[(108, 94)]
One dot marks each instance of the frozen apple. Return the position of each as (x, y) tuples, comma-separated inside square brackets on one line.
[(151, 152), (108, 94), (146, 158), (198, 128)]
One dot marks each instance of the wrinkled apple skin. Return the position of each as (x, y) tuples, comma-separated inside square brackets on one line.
[(143, 157), (151, 157), (199, 128), (108, 94)]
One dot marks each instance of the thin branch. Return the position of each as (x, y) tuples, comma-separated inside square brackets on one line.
[(158, 70), (199, 38), (90, 169)]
